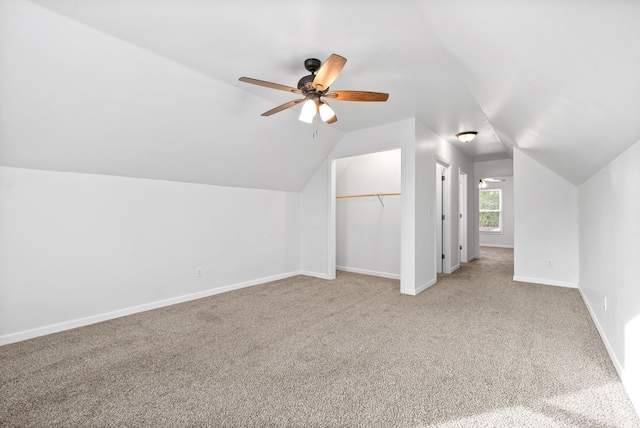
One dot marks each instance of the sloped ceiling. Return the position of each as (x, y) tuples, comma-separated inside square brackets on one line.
[(150, 88)]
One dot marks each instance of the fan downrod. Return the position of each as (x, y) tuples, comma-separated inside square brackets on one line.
[(312, 65), (306, 83)]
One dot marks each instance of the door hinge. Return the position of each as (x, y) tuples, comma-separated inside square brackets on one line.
[(460, 215), (443, 257), (443, 216), (443, 178), (461, 247)]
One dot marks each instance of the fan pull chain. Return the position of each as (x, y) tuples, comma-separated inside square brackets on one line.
[(315, 126)]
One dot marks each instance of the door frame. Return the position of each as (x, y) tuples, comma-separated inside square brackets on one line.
[(463, 222), (443, 238), (407, 230)]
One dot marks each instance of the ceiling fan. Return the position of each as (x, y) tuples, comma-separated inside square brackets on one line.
[(314, 87), (483, 181)]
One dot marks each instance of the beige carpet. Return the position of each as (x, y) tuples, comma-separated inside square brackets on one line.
[(474, 350)]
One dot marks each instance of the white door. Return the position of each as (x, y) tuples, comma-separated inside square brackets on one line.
[(440, 218), (462, 218)]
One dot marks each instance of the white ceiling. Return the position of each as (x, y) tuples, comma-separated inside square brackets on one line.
[(150, 88)]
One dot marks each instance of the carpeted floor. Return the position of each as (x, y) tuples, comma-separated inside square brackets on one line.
[(474, 350)]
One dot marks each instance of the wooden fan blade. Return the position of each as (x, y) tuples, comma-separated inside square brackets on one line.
[(357, 96), (270, 85), (328, 72), (282, 107)]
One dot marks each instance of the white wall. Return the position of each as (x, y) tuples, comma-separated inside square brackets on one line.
[(420, 147), (81, 248), (368, 232), (430, 147), (609, 214), (318, 200), (316, 252), (505, 237), (546, 225), (104, 105), (494, 168)]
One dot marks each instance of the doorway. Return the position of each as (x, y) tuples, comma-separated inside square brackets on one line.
[(462, 217), (369, 213), (442, 217)]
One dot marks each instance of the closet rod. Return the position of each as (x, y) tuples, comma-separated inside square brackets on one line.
[(368, 194)]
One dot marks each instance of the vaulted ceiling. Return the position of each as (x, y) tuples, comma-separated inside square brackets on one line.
[(150, 89)]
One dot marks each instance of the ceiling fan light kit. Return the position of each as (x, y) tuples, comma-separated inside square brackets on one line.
[(308, 111), (326, 112), (315, 86), (466, 136)]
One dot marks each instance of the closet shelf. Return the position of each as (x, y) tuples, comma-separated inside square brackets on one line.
[(363, 195), (368, 194)]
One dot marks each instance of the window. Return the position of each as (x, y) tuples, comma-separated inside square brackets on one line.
[(491, 211)]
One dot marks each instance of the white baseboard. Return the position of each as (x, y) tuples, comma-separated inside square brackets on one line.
[(546, 281), (607, 345), (81, 322), (421, 288), (316, 275), (496, 246), (369, 272), (630, 385)]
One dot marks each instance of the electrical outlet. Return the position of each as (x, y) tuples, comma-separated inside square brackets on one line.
[(199, 272), (604, 302), (549, 263)]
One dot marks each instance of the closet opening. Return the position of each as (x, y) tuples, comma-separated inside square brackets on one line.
[(368, 213)]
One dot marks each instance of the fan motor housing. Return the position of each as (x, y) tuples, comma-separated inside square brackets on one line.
[(305, 84)]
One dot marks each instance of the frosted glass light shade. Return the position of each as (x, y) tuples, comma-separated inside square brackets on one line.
[(326, 112), (465, 137), (308, 111)]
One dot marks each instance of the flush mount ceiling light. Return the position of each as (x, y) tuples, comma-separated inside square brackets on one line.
[(467, 136)]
